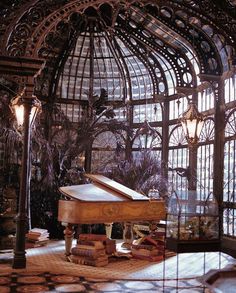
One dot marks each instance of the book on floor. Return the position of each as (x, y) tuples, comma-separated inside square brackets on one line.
[(38, 231), (90, 236), (147, 246), (29, 244), (143, 251), (93, 243), (87, 251), (149, 257), (98, 262), (96, 241), (110, 246), (36, 238), (149, 240)]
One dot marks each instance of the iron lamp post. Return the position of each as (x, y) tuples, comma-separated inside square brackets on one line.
[(25, 110)]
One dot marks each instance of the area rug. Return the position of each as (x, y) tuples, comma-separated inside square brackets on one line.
[(49, 282), (51, 259)]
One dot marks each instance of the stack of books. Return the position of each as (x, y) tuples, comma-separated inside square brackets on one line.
[(90, 250), (37, 237), (150, 247), (110, 246), (159, 237)]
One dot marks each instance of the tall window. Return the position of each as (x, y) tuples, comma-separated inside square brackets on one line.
[(205, 158), (229, 196), (104, 151), (178, 158)]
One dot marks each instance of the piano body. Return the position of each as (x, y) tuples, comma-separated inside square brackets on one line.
[(104, 201)]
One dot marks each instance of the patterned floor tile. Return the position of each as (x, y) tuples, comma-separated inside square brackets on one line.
[(49, 282), (48, 271)]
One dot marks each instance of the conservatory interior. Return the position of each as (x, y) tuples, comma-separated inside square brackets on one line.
[(140, 92)]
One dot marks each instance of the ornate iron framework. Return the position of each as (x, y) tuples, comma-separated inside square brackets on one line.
[(151, 57)]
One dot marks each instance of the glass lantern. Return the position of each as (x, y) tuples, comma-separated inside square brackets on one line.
[(192, 222)]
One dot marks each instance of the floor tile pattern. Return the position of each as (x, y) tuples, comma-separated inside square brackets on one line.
[(48, 271), (36, 282), (51, 258)]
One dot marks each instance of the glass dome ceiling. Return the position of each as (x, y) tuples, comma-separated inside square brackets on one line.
[(139, 52), (96, 63), (133, 59)]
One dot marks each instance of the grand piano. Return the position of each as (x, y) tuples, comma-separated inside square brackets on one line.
[(104, 201)]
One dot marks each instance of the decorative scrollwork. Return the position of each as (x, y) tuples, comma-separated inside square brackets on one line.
[(33, 22), (8, 12), (232, 2), (19, 41), (30, 19), (55, 40), (36, 15)]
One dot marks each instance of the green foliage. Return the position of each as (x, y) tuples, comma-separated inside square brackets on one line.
[(55, 148), (140, 174), (55, 162), (44, 210)]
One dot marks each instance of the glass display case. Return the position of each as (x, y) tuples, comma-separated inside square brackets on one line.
[(192, 223)]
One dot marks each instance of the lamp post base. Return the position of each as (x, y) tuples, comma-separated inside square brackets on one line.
[(19, 258), (19, 261)]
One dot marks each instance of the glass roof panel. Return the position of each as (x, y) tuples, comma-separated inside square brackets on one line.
[(97, 64)]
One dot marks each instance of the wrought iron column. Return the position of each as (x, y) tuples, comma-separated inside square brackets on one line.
[(19, 260)]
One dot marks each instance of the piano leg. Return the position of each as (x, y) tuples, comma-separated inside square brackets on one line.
[(108, 228), (128, 235), (69, 236)]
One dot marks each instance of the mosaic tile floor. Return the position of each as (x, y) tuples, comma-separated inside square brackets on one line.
[(48, 282), (48, 271), (51, 258)]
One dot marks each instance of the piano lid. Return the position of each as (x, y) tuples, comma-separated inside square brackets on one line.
[(102, 189), (113, 185)]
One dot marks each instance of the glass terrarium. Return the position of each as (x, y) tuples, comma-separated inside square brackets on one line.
[(192, 222)]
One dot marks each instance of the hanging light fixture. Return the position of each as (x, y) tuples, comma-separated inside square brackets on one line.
[(146, 129), (18, 104), (192, 122), (146, 134)]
